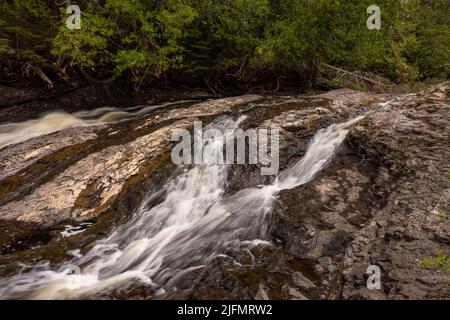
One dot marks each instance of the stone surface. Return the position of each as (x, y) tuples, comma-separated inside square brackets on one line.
[(383, 200)]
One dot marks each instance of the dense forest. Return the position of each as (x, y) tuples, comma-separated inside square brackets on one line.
[(215, 42)]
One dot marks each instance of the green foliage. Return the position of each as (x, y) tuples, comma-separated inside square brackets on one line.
[(441, 214), (88, 46), (145, 39), (127, 36), (429, 51), (441, 262), (335, 32), (26, 30), (224, 33)]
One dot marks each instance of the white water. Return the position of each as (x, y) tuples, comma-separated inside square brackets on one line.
[(194, 223), (12, 133)]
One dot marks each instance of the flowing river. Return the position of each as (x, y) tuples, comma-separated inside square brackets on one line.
[(12, 133), (195, 222), (94, 205)]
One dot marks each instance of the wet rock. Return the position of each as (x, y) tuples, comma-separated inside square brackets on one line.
[(407, 140), (90, 186), (294, 294), (261, 294), (302, 282), (383, 200)]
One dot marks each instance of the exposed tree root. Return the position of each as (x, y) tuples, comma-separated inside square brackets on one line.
[(346, 74)]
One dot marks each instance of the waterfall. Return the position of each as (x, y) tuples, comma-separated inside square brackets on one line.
[(194, 223)]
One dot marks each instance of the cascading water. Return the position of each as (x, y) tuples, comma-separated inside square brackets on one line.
[(12, 133), (194, 223)]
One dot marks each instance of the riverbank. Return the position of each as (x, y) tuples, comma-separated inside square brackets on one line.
[(30, 99)]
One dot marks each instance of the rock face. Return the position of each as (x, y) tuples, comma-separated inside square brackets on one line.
[(383, 200), (69, 195), (410, 139)]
